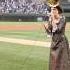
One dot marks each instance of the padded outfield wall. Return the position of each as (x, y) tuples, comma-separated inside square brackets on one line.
[(25, 18)]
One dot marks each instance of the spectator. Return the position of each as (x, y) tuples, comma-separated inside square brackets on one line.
[(22, 7)]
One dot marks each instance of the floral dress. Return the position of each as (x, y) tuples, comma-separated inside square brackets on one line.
[(59, 51)]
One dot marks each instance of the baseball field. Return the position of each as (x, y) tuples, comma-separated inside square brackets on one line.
[(25, 45)]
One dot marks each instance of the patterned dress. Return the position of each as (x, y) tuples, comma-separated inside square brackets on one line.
[(59, 51)]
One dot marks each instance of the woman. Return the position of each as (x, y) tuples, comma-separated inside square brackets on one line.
[(59, 53)]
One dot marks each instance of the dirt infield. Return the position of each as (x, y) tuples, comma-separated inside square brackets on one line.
[(26, 27), (21, 27)]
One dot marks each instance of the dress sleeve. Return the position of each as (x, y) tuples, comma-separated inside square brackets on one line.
[(49, 29), (59, 26)]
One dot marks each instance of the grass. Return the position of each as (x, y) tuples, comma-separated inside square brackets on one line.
[(20, 23), (31, 35), (68, 35), (21, 57), (39, 35)]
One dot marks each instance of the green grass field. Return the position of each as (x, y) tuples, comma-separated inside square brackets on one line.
[(19, 23), (28, 34), (31, 35), (21, 57)]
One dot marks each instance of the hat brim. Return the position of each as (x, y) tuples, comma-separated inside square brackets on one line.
[(51, 5)]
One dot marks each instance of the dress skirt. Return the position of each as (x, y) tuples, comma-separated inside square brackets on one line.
[(59, 55)]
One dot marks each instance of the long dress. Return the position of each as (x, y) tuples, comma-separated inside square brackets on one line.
[(59, 51)]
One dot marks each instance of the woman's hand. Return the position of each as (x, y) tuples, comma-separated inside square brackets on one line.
[(46, 26)]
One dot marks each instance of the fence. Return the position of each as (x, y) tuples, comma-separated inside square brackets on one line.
[(25, 18)]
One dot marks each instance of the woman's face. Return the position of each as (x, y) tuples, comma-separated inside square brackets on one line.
[(54, 11)]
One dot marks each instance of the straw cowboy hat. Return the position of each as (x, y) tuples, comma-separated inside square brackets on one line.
[(53, 3)]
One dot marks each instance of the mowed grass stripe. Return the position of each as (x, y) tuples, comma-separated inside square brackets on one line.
[(20, 23), (37, 35)]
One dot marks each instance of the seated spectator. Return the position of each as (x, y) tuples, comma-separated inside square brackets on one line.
[(24, 7)]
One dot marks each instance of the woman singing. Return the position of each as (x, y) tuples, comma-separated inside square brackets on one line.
[(59, 53)]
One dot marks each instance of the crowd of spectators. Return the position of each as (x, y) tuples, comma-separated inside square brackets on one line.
[(22, 7)]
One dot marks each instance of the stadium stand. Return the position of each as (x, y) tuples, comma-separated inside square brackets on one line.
[(23, 7), (28, 8)]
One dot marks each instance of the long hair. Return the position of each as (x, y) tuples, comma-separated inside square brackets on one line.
[(59, 9)]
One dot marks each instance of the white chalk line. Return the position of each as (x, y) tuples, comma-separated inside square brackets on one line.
[(25, 42)]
